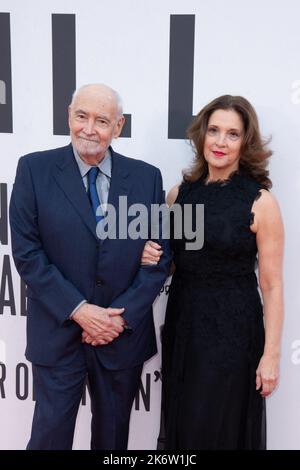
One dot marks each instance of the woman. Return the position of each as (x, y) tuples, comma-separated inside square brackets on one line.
[(220, 348)]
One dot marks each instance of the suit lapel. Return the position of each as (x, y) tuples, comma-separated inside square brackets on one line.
[(120, 186), (119, 180), (68, 178)]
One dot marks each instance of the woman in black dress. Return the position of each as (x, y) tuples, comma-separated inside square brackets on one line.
[(220, 347)]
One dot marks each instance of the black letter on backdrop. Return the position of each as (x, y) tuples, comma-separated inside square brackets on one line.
[(64, 69), (181, 74), (23, 298), (3, 214), (6, 121), (145, 393), (2, 379), (22, 367), (64, 72), (6, 278)]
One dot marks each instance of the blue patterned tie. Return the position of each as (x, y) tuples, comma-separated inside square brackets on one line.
[(93, 193)]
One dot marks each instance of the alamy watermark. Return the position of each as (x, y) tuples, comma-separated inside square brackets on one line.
[(295, 357), (137, 221), (2, 92)]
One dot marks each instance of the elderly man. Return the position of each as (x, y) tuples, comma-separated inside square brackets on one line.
[(89, 300)]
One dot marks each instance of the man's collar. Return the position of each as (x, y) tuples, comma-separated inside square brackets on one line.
[(104, 166)]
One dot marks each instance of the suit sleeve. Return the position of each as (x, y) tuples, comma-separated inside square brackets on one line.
[(139, 297), (56, 295)]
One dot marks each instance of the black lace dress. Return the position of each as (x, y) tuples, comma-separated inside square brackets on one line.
[(213, 336)]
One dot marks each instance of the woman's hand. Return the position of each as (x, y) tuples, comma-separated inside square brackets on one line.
[(267, 375), (152, 253)]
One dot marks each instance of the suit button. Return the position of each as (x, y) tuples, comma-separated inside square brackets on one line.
[(99, 282)]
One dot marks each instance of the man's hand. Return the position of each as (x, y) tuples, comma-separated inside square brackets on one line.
[(103, 338), (100, 324)]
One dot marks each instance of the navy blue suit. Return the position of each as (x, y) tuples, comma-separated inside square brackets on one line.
[(58, 255)]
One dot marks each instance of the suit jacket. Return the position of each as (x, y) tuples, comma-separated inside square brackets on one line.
[(60, 258)]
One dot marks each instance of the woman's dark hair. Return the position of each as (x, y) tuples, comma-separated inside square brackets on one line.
[(254, 152)]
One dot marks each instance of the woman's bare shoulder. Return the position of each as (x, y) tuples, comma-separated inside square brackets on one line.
[(172, 195)]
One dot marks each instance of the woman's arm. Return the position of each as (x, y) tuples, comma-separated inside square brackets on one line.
[(270, 240), (152, 250)]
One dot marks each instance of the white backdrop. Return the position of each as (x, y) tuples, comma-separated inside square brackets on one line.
[(243, 48)]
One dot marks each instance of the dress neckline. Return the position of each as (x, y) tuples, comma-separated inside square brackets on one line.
[(222, 182)]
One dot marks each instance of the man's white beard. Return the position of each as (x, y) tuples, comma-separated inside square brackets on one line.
[(88, 148)]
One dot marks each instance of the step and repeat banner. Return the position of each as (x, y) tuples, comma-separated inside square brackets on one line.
[(166, 59)]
